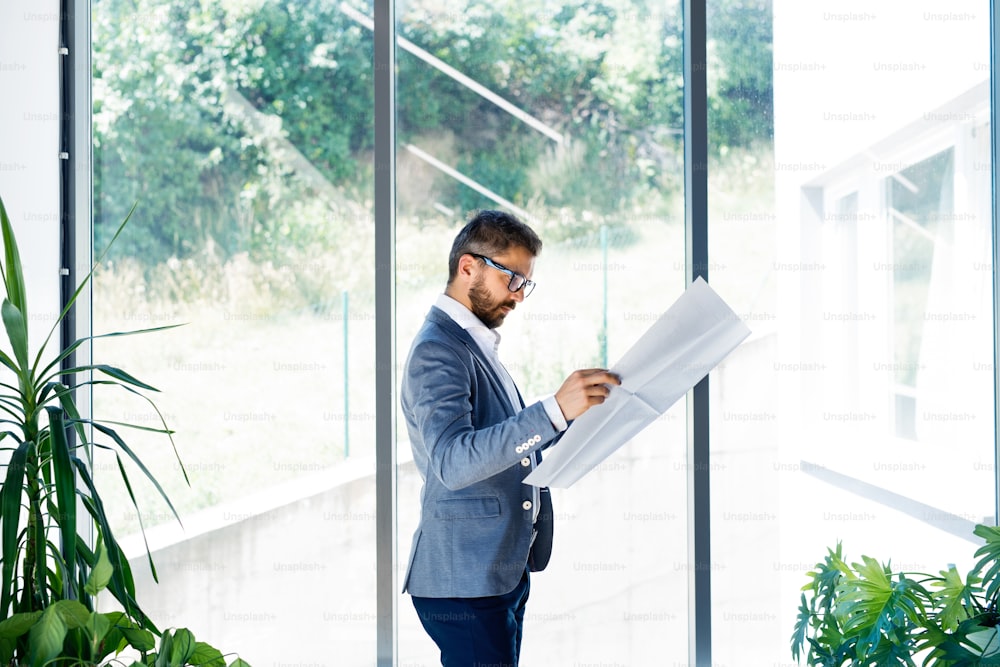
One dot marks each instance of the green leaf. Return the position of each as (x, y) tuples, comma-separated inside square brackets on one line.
[(951, 648), (72, 612), (990, 558), (10, 517), (7, 648), (114, 640), (17, 334), (101, 573), (801, 627), (110, 432), (121, 585), (873, 606), (182, 648), (97, 629), (139, 639), (18, 624), (954, 597), (166, 649), (46, 637), (65, 481), (13, 277), (69, 406), (79, 289), (206, 655), (53, 365), (122, 376), (239, 663)]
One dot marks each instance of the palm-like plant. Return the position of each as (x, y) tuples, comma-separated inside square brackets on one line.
[(867, 614), (57, 547)]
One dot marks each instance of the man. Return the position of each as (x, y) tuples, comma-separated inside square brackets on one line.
[(473, 439)]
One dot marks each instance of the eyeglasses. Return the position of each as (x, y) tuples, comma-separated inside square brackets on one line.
[(517, 281)]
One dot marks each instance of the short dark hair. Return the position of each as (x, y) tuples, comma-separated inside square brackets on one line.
[(490, 233)]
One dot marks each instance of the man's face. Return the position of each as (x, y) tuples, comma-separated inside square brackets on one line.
[(489, 295)]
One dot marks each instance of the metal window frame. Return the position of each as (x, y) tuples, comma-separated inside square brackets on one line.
[(994, 158), (76, 182), (699, 529), (385, 336), (76, 189)]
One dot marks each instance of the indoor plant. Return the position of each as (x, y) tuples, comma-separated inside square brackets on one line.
[(57, 548), (868, 614)]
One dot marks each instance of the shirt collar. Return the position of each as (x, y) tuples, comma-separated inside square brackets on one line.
[(467, 320)]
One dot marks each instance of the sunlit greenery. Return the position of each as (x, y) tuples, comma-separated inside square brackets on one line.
[(217, 115)]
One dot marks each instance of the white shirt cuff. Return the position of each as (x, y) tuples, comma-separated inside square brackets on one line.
[(554, 412)]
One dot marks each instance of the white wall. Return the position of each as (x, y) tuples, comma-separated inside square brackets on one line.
[(29, 147)]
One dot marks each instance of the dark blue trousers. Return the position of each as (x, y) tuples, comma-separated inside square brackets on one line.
[(476, 632)]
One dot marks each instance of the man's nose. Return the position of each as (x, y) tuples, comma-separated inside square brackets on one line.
[(518, 295)]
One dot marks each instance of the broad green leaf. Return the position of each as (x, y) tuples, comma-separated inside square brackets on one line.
[(872, 606), (951, 648), (46, 637), (97, 629), (166, 649), (101, 573), (182, 648), (990, 558), (206, 655), (114, 641), (18, 624), (72, 612), (139, 639), (239, 663), (954, 597), (7, 648)]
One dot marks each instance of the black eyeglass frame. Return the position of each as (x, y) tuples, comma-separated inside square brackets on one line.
[(528, 285)]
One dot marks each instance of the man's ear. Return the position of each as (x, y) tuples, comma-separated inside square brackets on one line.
[(466, 266)]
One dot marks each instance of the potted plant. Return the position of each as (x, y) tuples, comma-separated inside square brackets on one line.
[(869, 614), (50, 572)]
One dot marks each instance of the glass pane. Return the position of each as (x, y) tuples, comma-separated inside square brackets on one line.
[(569, 115), (743, 239), (853, 232), (919, 197), (242, 133)]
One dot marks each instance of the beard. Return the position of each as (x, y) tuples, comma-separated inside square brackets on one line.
[(485, 307)]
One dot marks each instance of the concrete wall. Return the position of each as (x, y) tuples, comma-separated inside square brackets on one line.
[(29, 147)]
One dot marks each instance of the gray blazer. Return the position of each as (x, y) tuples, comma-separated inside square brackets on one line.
[(472, 450)]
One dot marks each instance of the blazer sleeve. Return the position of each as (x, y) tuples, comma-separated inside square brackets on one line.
[(444, 402)]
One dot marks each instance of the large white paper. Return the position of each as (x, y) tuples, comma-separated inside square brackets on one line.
[(682, 346)]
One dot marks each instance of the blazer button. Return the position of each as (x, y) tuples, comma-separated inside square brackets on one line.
[(526, 462), (519, 449), (526, 504), (537, 438)]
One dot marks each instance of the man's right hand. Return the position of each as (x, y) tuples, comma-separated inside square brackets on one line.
[(584, 389)]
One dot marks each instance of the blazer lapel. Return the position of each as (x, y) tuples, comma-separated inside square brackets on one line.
[(451, 327)]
